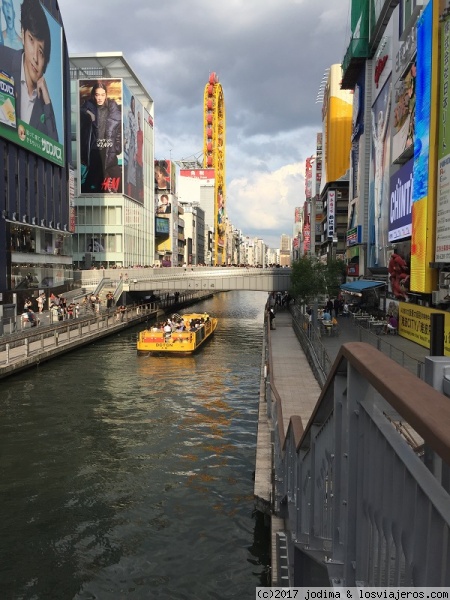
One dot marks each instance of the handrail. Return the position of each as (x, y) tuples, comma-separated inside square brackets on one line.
[(357, 499), (401, 389)]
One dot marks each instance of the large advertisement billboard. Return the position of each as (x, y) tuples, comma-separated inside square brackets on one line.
[(379, 177), (31, 90), (423, 211), (133, 146), (404, 113), (443, 175), (100, 138)]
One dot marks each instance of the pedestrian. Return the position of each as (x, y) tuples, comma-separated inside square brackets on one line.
[(271, 317), (336, 305), (40, 302), (329, 306)]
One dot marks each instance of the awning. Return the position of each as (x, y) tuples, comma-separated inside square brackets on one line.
[(362, 285)]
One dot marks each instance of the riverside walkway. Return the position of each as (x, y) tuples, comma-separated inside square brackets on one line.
[(293, 381)]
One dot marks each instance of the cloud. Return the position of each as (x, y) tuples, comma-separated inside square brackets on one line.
[(270, 57)]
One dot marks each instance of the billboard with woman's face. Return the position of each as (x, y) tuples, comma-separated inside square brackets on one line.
[(32, 117), (100, 136)]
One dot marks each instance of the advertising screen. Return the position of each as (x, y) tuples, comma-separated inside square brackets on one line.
[(100, 138), (133, 146), (32, 115), (162, 225)]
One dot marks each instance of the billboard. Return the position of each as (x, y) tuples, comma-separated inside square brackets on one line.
[(163, 204), (100, 139), (165, 176), (443, 175), (337, 112), (414, 323), (133, 146), (404, 113), (33, 117), (379, 177), (400, 203), (423, 211)]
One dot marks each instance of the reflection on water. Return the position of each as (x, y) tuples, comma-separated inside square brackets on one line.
[(131, 476)]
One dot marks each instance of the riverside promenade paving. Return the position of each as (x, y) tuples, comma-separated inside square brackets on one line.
[(292, 374), (299, 391)]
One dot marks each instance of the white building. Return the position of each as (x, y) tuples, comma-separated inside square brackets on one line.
[(114, 206)]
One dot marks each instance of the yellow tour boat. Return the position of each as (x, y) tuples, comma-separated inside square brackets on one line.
[(184, 335)]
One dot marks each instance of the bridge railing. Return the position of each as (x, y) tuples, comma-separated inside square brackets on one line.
[(219, 278), (364, 487)]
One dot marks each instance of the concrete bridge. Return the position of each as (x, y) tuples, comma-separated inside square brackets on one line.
[(273, 279)]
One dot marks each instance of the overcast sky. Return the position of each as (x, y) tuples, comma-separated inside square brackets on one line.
[(269, 55)]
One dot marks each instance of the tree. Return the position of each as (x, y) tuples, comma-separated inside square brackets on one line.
[(307, 280), (334, 276), (311, 278)]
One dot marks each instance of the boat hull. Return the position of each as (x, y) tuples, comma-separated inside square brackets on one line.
[(178, 342)]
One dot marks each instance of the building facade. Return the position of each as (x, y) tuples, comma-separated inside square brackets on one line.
[(35, 151), (113, 210)]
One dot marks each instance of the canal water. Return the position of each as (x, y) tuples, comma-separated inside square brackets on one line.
[(126, 476)]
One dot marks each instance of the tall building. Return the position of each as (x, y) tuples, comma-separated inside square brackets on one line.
[(113, 156), (285, 250), (197, 186), (35, 151)]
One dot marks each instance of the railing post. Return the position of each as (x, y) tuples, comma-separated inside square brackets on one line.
[(56, 338), (7, 354), (27, 347)]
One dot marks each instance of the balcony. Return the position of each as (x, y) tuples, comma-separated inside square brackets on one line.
[(354, 59)]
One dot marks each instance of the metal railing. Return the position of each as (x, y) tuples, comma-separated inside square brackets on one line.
[(365, 505), (19, 346)]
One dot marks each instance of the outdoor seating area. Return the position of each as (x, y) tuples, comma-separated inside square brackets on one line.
[(329, 328)]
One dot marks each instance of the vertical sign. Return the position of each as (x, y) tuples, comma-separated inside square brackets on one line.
[(331, 204), (443, 175)]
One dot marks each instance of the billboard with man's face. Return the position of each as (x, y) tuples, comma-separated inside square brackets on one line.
[(100, 137), (31, 115)]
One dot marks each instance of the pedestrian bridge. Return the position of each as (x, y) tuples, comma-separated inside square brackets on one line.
[(274, 279)]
